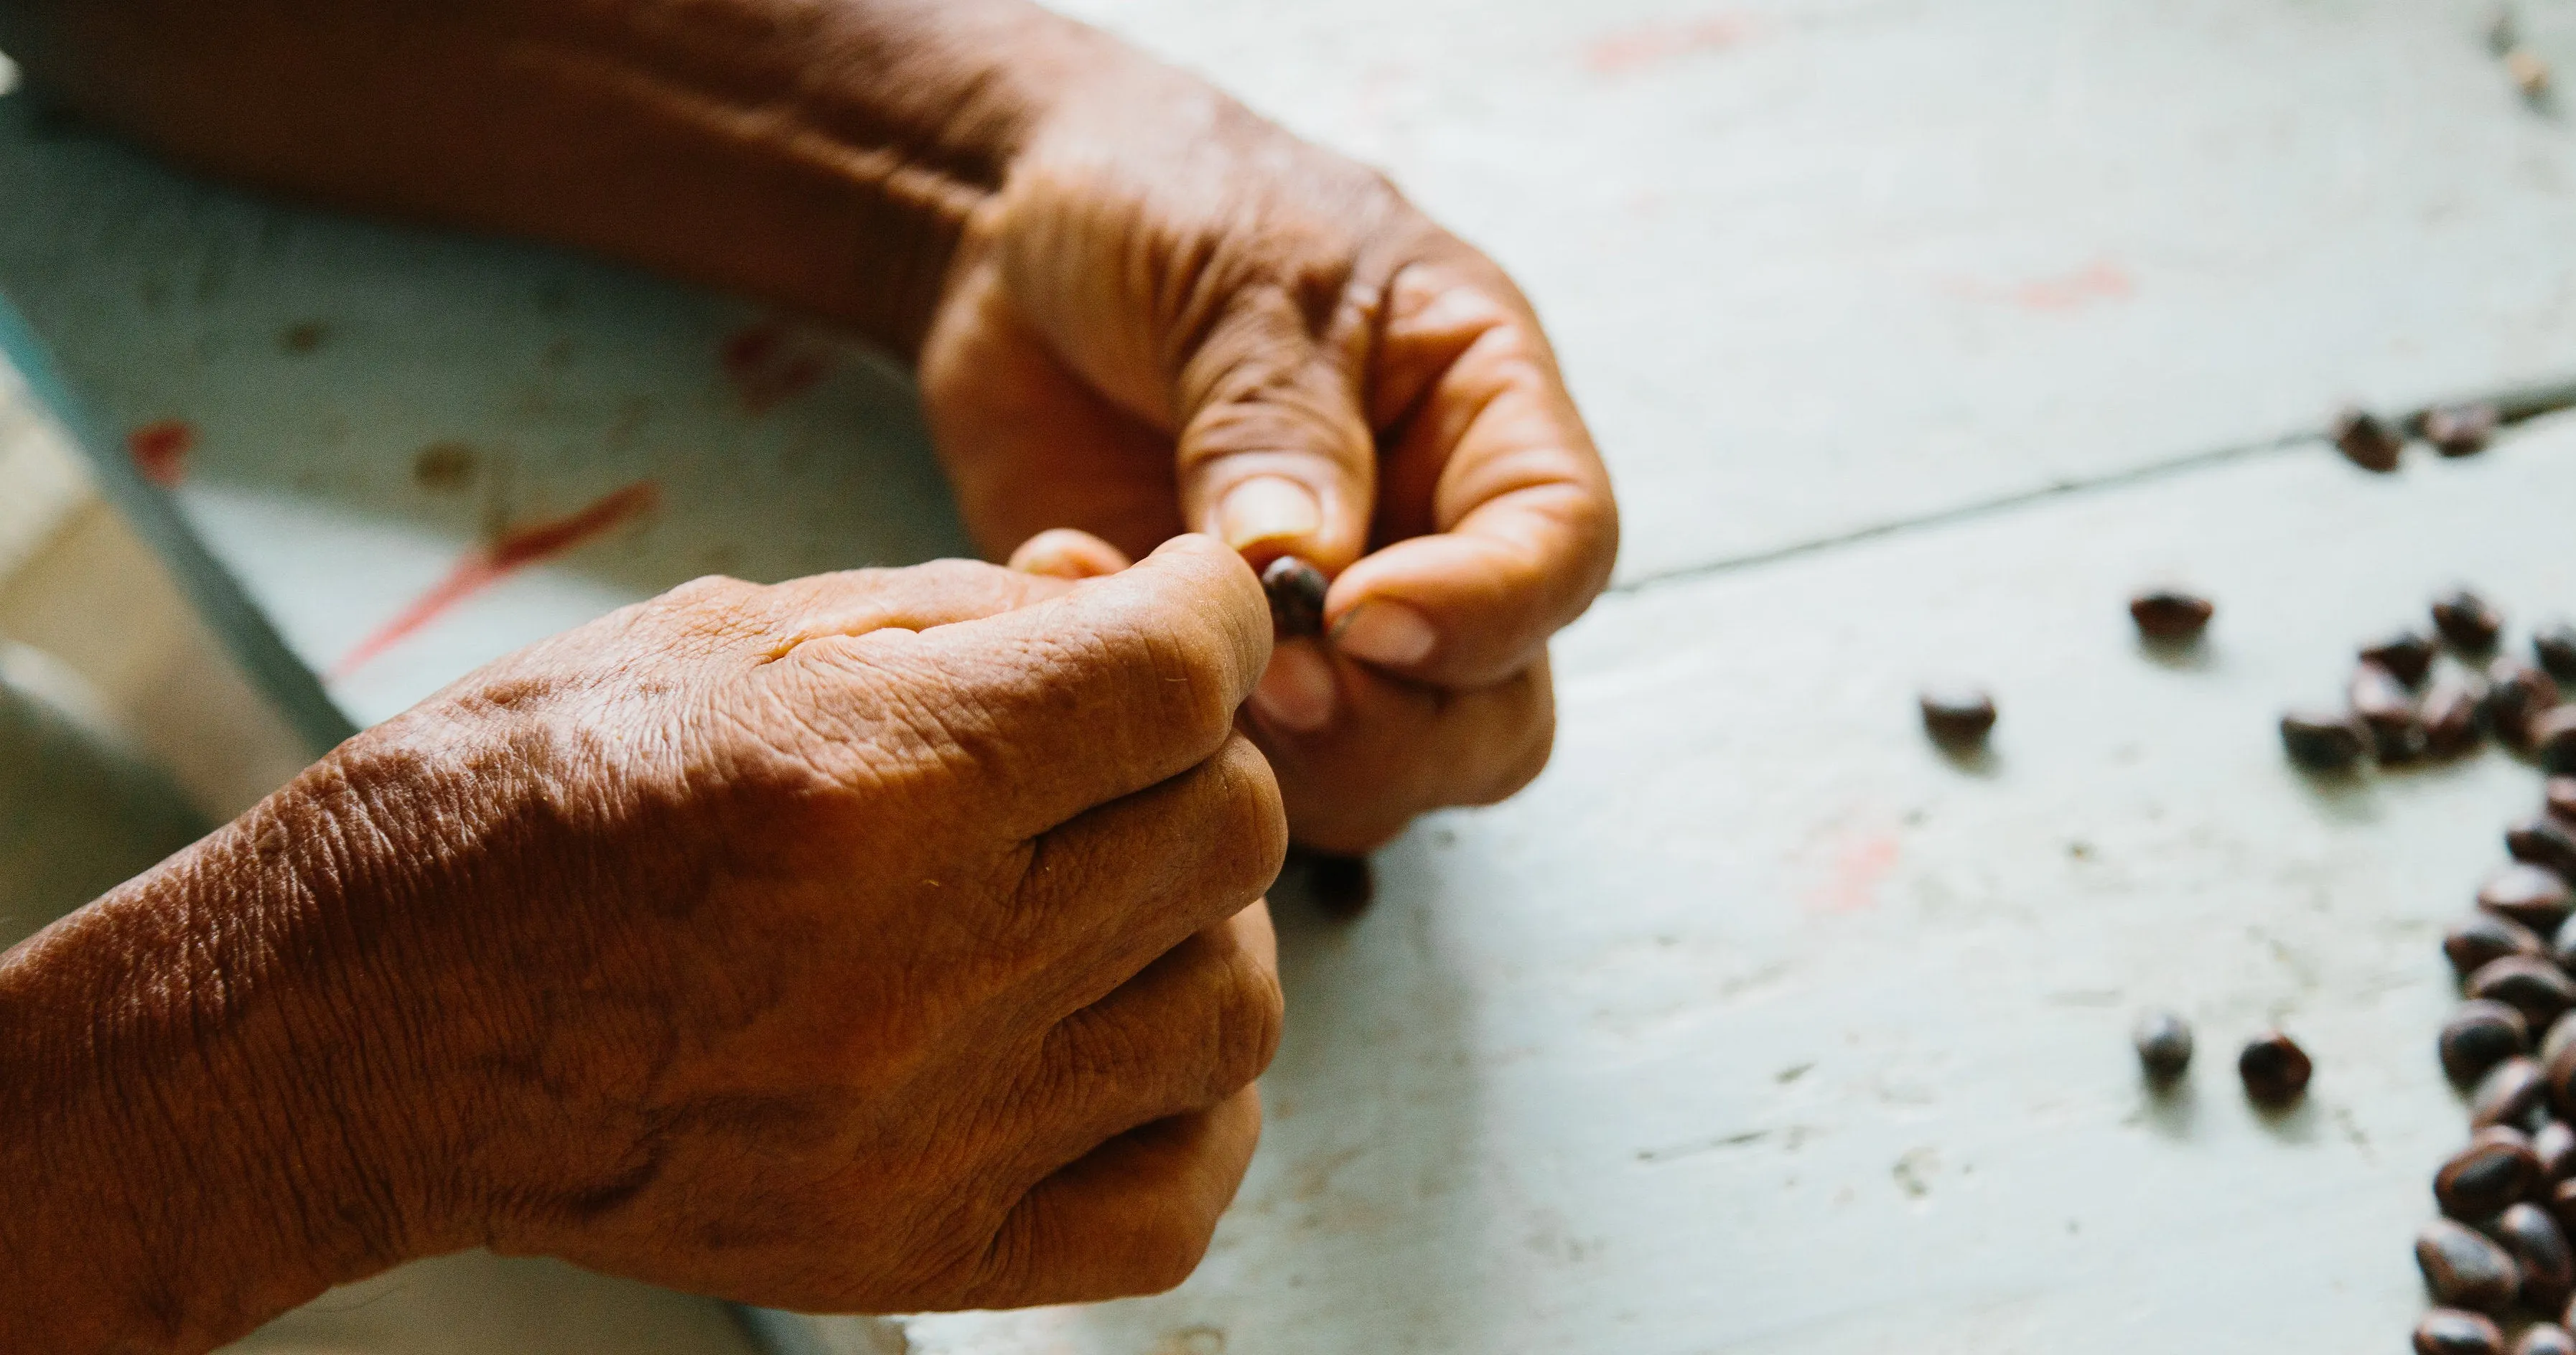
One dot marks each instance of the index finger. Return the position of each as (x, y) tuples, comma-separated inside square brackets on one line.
[(1505, 523), (1119, 683)]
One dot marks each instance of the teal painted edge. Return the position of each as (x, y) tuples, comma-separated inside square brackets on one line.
[(245, 630), (778, 1333)]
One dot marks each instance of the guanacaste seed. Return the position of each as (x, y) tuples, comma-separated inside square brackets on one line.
[(2387, 710), (2171, 616), (2320, 741), (2460, 430), (2408, 655), (2558, 799), (2544, 1338), (2558, 1074), (2562, 1202), (2481, 1034), (2457, 1331), (2560, 1035), (2481, 939), (2496, 1169), (2543, 841), (2465, 1270), (2552, 736), (2274, 1069), (1957, 717), (2554, 645), (2517, 694), (2536, 987), (2539, 1249), (2365, 439), (1342, 886), (2467, 621), (2534, 897), (2451, 715), (2553, 1146), (1296, 590), (2163, 1042), (2512, 1094)]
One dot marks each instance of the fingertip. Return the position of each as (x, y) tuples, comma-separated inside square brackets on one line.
[(1066, 553)]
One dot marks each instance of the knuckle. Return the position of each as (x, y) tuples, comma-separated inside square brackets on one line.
[(1250, 1017), (1249, 815)]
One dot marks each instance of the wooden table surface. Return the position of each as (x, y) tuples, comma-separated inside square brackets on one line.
[(1917, 335)]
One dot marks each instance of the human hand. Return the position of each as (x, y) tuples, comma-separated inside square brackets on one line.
[(881, 941), (1175, 316)]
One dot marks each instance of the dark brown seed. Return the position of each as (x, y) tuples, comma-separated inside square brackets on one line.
[(2275, 1070), (2364, 438), (2562, 948), (2543, 841), (2553, 1146), (1296, 591), (2164, 1045), (2479, 1036), (2170, 616), (2451, 715), (1957, 716), (2517, 693), (2544, 1338), (2481, 939), (2388, 712), (2560, 1035), (1342, 886), (2408, 655), (2537, 988), (2558, 797), (2539, 1248), (2321, 742), (2495, 1170), (2558, 1071), (2464, 1269), (2534, 897), (2460, 430), (2552, 736), (2467, 621), (2454, 1331), (2555, 646), (2512, 1094), (2562, 1202)]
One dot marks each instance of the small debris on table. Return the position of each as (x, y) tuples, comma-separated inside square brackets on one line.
[(2322, 741), (2467, 621), (2275, 1070), (2171, 616), (2365, 439), (1296, 590), (2164, 1045), (1957, 717), (2407, 655), (2460, 430)]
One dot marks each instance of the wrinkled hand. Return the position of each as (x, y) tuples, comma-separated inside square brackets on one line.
[(1175, 316)]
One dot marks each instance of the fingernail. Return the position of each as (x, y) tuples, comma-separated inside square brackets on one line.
[(1267, 508), (1298, 690), (1390, 633)]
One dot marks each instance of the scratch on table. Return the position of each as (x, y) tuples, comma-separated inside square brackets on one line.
[(1631, 49), (487, 565), (770, 364)]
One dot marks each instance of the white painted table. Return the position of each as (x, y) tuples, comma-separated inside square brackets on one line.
[(1755, 1025)]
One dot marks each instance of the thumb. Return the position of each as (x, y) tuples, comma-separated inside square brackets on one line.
[(1275, 453)]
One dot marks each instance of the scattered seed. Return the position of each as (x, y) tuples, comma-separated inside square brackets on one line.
[(2494, 1170), (2275, 1070), (2170, 616), (2539, 1248), (2321, 742), (2450, 715), (2408, 655), (2164, 1045), (2543, 841), (2517, 693), (1343, 886), (2544, 1338), (2558, 796), (2460, 430), (2388, 712), (2552, 736), (1296, 590), (2537, 988), (2481, 939), (2553, 1146), (1958, 717), (2464, 1269), (2561, 1197), (2480, 1035), (2560, 1035), (2365, 439), (2562, 948), (2467, 621), (2455, 1331), (2558, 1074), (2534, 897), (2512, 1094), (2555, 646)]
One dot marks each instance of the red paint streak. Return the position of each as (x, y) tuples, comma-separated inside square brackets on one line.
[(487, 565), (1859, 866), (2100, 280), (1633, 49), (770, 364), (160, 450)]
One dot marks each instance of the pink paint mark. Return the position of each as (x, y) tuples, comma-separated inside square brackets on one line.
[(487, 565), (1628, 50), (160, 450), (2100, 280), (770, 363), (1852, 879)]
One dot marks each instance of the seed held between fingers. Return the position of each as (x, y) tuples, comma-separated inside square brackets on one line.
[(1296, 591)]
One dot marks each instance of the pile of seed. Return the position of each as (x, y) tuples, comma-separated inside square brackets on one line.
[(2507, 1198)]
